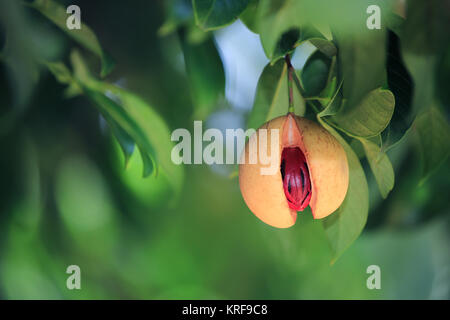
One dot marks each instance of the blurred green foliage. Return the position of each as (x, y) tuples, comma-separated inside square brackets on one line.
[(66, 196)]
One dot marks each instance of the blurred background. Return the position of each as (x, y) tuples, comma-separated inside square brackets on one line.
[(66, 199)]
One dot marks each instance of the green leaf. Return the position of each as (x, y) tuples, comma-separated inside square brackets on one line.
[(147, 129), (249, 16), (85, 36), (64, 76), (331, 89), (272, 99), (206, 74), (275, 18), (345, 225), (279, 26), (333, 104), (425, 30), (370, 117), (214, 14), (400, 83), (325, 46), (283, 25), (443, 77), (60, 72), (148, 162), (112, 109), (317, 39), (314, 75), (434, 139), (144, 125), (361, 61), (380, 165), (125, 141)]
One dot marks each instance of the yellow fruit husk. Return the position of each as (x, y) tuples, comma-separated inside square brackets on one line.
[(327, 164)]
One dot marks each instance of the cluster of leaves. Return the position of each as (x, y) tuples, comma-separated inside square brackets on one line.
[(133, 122), (366, 87)]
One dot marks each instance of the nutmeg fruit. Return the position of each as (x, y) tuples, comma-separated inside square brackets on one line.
[(312, 169)]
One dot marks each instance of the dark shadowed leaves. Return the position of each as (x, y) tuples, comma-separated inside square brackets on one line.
[(206, 74), (434, 139), (314, 74), (331, 98), (401, 85), (18, 57)]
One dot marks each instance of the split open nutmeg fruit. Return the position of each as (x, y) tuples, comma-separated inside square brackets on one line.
[(312, 169)]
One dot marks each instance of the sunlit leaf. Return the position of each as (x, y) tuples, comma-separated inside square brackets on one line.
[(60, 72), (17, 58), (113, 109), (84, 36), (23, 252), (64, 76), (345, 225), (272, 96), (278, 19), (148, 162), (395, 23), (370, 117), (125, 141)]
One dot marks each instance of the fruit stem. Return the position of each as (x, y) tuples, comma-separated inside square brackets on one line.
[(290, 69)]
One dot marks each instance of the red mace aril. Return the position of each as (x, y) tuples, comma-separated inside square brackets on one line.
[(313, 170), (296, 182)]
